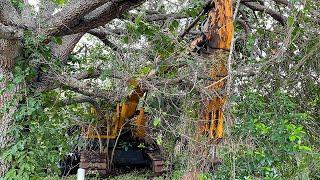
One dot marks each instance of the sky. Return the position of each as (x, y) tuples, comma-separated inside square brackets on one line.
[(33, 2)]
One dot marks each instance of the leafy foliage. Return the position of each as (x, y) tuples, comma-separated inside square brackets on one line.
[(38, 129), (19, 4), (272, 143)]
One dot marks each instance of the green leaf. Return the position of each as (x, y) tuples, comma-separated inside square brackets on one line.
[(305, 148), (156, 122), (57, 40), (159, 140), (59, 2), (290, 20), (18, 4), (90, 70), (174, 25), (18, 79), (126, 39), (292, 138), (145, 70), (1, 77)]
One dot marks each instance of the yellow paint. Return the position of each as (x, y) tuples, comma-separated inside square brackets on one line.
[(220, 25), (218, 32), (219, 133), (140, 124), (123, 111)]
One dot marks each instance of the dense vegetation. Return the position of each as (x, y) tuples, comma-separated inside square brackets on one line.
[(272, 121)]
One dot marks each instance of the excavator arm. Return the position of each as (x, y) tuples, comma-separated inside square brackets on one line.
[(123, 111), (215, 44)]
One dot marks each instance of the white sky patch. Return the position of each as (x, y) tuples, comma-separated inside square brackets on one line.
[(33, 2)]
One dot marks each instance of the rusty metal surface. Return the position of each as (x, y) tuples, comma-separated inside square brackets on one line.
[(114, 123), (93, 161), (157, 162), (140, 123), (214, 44)]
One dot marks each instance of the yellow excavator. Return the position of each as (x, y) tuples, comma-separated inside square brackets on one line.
[(119, 139)]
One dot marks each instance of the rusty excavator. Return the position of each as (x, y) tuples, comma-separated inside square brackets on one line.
[(119, 138)]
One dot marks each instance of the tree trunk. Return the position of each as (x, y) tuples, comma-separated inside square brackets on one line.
[(9, 50)]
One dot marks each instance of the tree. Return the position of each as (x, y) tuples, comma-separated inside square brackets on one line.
[(76, 18), (37, 57)]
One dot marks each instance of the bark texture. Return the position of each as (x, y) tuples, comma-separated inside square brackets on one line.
[(9, 49)]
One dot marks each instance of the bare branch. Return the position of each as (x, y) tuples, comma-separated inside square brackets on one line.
[(79, 99), (197, 19), (102, 36), (246, 71), (49, 80), (102, 32), (275, 15), (159, 16), (244, 25)]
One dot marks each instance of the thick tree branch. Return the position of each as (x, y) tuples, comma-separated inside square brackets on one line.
[(62, 51), (81, 87), (27, 17), (71, 15), (46, 9), (275, 15), (83, 22), (88, 75)]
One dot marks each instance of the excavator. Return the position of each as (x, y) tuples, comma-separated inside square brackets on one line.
[(119, 138)]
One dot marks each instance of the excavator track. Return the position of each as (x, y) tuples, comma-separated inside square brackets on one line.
[(94, 163), (156, 162)]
